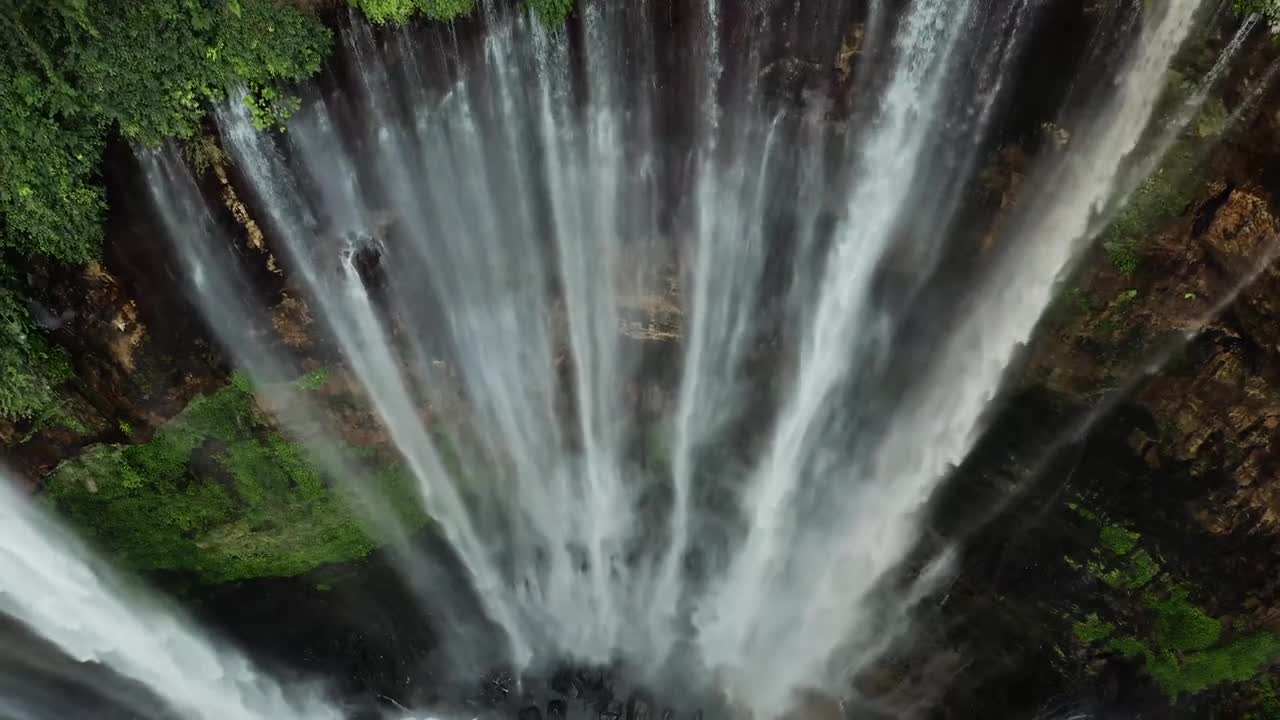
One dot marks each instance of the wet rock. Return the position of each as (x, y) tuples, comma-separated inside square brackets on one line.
[(651, 316), (363, 254), (292, 321), (46, 318), (612, 710), (1239, 233), (557, 710), (563, 683), (497, 688), (639, 708)]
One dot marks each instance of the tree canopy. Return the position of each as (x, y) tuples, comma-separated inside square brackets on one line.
[(1268, 10), (71, 71)]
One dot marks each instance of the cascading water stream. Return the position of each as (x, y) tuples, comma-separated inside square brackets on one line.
[(508, 224), (54, 585)]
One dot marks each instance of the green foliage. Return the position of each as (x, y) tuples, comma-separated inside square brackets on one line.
[(314, 380), (399, 11), (1115, 561), (1123, 254), (1269, 10), (552, 13), (1181, 645), (1159, 199), (1266, 701), (242, 382), (1071, 303), (1213, 119), (1127, 646), (1131, 573), (203, 152), (1117, 539), (50, 203), (31, 369), (153, 65), (1184, 656), (217, 492), (1126, 298), (1179, 625), (1092, 629), (1238, 661), (72, 70)]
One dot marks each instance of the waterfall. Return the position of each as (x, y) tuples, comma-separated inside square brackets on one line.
[(54, 585), (545, 213)]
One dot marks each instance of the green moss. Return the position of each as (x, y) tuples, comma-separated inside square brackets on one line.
[(1159, 199), (218, 493), (1092, 629), (1180, 626), (1213, 119), (1238, 661), (1183, 651), (1132, 573), (1181, 645), (1266, 701), (314, 380), (552, 13), (399, 11), (31, 368), (1268, 9), (1118, 540), (1077, 506), (1180, 674), (1128, 646)]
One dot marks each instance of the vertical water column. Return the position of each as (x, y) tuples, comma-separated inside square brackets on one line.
[(53, 583)]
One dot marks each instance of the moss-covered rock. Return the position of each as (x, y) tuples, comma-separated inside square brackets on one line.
[(1149, 615), (219, 493)]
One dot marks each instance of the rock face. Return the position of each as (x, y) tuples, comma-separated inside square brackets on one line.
[(1139, 560)]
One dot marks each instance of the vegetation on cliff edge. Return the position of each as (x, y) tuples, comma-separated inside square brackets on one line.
[(72, 71), (1184, 648), (31, 369)]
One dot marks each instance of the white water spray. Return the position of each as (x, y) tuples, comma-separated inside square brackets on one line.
[(508, 222), (53, 584)]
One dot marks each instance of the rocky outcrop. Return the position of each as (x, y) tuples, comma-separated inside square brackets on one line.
[(1144, 553)]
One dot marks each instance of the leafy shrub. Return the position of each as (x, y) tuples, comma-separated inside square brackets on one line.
[(219, 493), (1159, 199), (1269, 10), (552, 13), (31, 368), (75, 70), (399, 11)]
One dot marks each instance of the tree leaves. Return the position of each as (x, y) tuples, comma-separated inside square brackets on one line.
[(70, 71)]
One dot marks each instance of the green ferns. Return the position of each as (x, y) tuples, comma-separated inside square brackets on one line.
[(218, 493)]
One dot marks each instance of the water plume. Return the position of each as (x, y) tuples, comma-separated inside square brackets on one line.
[(714, 351), (57, 588)]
